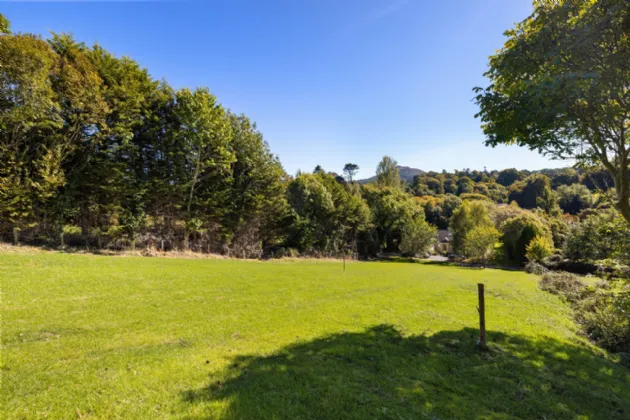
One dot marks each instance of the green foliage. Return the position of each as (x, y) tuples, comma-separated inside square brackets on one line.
[(598, 237), (91, 140), (5, 25), (72, 230), (566, 176), (450, 186), (387, 173), (426, 185), (598, 180), (602, 310), (519, 231), (539, 248), (604, 315), (496, 192), (465, 185), (314, 207), (467, 217), (479, 242), (574, 198), (417, 237), (534, 192), (326, 215), (559, 229), (31, 155), (559, 86), (500, 214), (473, 197), (392, 211), (507, 177), (439, 210)]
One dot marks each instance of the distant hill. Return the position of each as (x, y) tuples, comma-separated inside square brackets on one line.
[(406, 173)]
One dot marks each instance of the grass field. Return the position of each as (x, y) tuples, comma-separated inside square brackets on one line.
[(128, 337)]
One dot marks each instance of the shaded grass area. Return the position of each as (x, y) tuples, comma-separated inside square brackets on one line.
[(379, 373), (125, 337)]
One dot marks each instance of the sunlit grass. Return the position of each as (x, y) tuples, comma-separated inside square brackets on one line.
[(111, 337)]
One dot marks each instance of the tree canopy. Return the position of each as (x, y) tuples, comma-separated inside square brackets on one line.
[(560, 86), (387, 173)]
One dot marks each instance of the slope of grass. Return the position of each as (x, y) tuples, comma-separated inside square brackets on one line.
[(112, 337)]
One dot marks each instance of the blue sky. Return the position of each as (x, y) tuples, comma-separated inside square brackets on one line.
[(327, 81)]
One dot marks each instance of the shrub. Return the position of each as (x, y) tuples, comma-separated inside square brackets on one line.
[(590, 240), (605, 315), (519, 231), (563, 284), (539, 248), (535, 268), (72, 230), (68, 230)]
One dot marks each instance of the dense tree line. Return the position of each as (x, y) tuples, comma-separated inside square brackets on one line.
[(92, 146), (97, 153), (556, 191)]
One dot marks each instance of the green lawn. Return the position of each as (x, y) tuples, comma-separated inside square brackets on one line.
[(130, 337)]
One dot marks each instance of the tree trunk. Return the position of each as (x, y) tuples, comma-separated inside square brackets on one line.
[(186, 237), (623, 205), (621, 177), (190, 199), (16, 236)]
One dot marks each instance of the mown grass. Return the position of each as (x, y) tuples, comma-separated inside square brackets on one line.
[(111, 337)]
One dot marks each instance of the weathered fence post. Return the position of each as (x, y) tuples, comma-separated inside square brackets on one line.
[(482, 316)]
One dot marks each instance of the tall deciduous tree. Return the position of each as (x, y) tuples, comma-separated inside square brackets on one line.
[(392, 210), (468, 216), (387, 174), (560, 85)]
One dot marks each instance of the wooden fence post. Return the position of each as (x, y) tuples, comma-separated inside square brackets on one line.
[(482, 316)]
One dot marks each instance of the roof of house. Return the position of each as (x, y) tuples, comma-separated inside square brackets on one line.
[(445, 235)]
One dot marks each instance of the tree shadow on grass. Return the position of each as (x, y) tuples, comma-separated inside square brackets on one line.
[(381, 374)]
